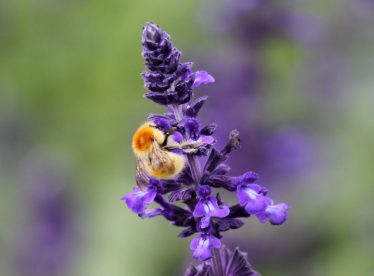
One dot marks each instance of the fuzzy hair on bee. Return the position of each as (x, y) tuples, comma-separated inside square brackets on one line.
[(153, 151)]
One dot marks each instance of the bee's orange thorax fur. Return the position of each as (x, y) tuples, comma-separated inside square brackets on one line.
[(143, 139)]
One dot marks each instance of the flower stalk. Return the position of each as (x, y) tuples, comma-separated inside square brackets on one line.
[(192, 161), (217, 263)]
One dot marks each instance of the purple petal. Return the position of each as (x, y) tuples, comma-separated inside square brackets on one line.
[(209, 207), (138, 200), (150, 195), (162, 123), (134, 203), (207, 139), (151, 213), (192, 128), (205, 221), (202, 77), (199, 209), (257, 205), (248, 192), (177, 136), (277, 214), (194, 243), (214, 242), (203, 252), (218, 211), (262, 217), (203, 245)]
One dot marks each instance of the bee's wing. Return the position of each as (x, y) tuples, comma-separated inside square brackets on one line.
[(160, 160), (141, 176)]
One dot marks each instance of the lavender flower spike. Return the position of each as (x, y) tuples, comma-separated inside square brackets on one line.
[(170, 83)]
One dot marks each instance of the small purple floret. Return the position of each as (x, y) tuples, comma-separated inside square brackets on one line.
[(276, 214), (203, 245), (250, 197), (138, 200), (202, 77), (207, 208)]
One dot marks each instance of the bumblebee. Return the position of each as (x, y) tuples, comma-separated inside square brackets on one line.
[(153, 149)]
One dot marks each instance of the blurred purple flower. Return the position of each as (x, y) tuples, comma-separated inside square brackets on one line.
[(251, 25), (45, 246), (254, 22)]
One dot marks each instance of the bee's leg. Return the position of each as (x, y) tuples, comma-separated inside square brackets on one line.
[(189, 147), (165, 142), (172, 147)]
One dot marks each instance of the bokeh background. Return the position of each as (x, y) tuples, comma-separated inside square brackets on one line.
[(296, 78)]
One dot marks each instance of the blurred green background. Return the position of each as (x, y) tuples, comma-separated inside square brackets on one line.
[(71, 97)]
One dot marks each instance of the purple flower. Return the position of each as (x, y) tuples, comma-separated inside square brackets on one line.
[(138, 200), (202, 246), (45, 243), (276, 214), (202, 77), (252, 198), (207, 207), (254, 22)]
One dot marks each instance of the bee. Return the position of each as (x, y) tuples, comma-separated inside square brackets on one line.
[(153, 149)]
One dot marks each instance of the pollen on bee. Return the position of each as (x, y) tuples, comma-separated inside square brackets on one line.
[(142, 140)]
